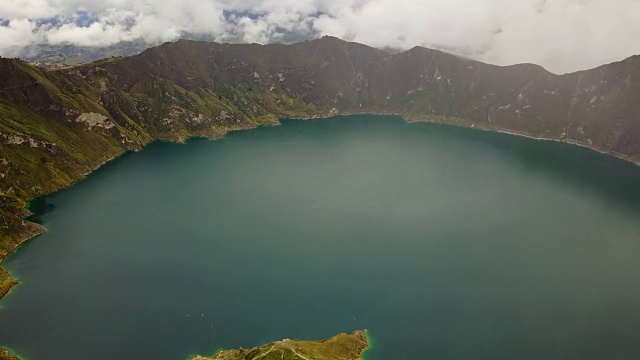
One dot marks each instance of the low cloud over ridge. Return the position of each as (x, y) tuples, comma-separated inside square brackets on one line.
[(562, 35)]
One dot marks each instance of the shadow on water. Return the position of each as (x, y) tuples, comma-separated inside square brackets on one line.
[(39, 206), (615, 179), (44, 204)]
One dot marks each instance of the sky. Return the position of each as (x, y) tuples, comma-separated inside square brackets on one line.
[(561, 35)]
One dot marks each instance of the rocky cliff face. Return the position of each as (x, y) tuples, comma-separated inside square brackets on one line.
[(56, 126)]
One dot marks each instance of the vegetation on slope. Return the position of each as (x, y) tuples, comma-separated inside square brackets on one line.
[(340, 347)]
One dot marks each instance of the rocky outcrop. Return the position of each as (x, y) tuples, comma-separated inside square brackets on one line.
[(6, 355), (94, 119)]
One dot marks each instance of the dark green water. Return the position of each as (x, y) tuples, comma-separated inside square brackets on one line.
[(446, 243)]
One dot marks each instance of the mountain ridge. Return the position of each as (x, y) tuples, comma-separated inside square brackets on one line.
[(57, 126)]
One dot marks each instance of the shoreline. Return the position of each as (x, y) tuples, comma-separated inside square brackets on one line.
[(574, 143), (457, 122), (33, 230), (7, 354), (370, 344), (616, 155), (37, 229)]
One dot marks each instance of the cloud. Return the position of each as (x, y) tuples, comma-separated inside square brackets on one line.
[(431, 23), (20, 9), (568, 35), (562, 35), (15, 34)]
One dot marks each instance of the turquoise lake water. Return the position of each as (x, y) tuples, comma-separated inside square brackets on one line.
[(444, 242)]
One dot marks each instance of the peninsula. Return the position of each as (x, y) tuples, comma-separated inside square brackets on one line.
[(342, 347)]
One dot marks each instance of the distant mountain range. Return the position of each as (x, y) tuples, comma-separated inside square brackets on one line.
[(56, 126), (67, 55), (62, 56)]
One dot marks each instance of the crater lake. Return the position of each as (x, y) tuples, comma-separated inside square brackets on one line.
[(443, 242)]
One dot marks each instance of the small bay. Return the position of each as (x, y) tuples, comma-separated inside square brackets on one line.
[(444, 242)]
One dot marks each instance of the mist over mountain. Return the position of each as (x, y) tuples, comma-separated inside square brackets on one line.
[(561, 35)]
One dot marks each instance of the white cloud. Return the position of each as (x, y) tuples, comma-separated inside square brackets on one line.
[(15, 35), (570, 35), (96, 34), (562, 35), (20, 9), (388, 23)]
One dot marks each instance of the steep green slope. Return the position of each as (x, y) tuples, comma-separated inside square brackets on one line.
[(340, 347), (56, 126)]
